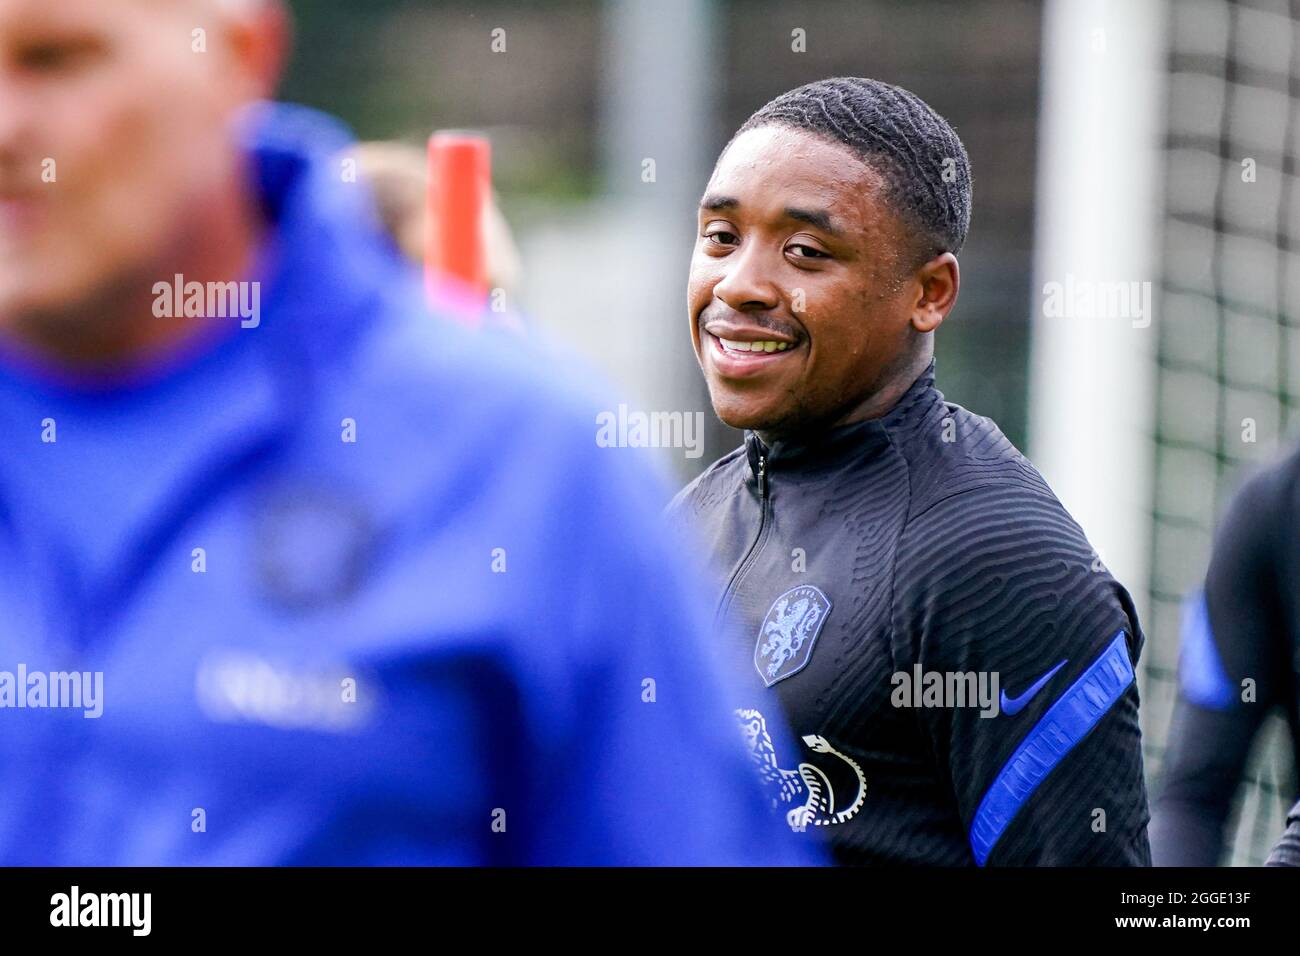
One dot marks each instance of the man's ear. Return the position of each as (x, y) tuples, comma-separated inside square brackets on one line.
[(259, 38), (939, 279)]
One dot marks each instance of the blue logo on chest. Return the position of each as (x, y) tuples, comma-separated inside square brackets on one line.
[(785, 641)]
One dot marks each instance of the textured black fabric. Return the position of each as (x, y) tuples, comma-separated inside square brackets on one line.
[(939, 545), (1287, 852), (1252, 599)]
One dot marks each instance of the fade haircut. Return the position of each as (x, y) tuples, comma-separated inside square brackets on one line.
[(919, 157)]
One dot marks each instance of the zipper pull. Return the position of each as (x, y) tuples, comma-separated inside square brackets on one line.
[(762, 475)]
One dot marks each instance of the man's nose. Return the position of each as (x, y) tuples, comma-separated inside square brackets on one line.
[(749, 284)]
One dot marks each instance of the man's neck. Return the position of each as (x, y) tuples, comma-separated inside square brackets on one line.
[(878, 404)]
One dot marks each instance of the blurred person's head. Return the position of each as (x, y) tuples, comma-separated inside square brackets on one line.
[(826, 256), (398, 174), (118, 163)]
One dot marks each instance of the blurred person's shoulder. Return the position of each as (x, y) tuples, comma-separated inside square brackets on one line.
[(1271, 489), (488, 391), (1258, 518)]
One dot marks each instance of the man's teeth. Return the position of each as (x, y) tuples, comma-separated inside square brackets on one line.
[(768, 346)]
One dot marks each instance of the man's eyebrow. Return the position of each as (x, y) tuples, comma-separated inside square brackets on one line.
[(715, 203), (814, 217)]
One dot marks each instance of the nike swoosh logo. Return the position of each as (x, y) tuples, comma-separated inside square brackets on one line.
[(1014, 705)]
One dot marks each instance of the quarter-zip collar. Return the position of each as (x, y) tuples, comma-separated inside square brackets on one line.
[(835, 447)]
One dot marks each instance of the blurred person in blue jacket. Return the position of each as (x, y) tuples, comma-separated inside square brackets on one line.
[(292, 572)]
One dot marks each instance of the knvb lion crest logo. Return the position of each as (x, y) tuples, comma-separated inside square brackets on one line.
[(785, 641)]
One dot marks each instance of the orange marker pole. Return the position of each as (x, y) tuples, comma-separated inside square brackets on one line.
[(460, 177)]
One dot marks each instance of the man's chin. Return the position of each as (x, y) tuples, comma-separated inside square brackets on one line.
[(25, 302), (54, 315), (20, 304), (746, 417)]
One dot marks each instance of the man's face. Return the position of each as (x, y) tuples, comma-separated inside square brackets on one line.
[(114, 130), (797, 250)]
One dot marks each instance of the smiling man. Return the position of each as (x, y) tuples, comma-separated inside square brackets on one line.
[(885, 554)]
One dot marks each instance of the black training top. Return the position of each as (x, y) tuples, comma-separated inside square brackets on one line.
[(938, 633), (1239, 660)]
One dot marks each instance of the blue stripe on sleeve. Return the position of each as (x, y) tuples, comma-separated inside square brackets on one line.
[(1066, 722)]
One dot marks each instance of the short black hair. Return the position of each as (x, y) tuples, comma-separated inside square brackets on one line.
[(920, 158)]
